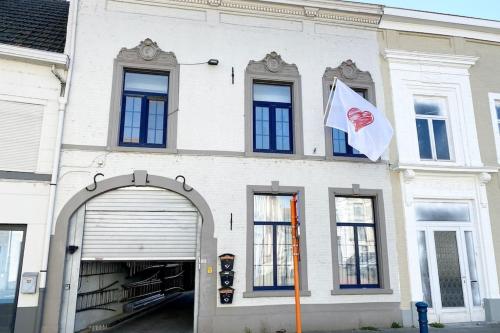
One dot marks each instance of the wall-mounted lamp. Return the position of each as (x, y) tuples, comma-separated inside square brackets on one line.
[(213, 62)]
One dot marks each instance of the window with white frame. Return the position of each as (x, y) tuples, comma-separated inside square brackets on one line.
[(432, 128), (494, 99), (497, 111)]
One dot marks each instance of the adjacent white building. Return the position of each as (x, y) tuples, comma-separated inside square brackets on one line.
[(438, 87), (30, 56)]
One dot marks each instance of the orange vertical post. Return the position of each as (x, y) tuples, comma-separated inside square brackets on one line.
[(296, 254)]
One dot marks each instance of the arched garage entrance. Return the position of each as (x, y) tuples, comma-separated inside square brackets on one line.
[(84, 209)]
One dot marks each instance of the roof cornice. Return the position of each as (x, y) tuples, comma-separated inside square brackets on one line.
[(33, 55), (329, 11), (423, 58), (440, 24)]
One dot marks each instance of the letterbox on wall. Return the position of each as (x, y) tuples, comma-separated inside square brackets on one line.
[(226, 261), (226, 278), (226, 295)]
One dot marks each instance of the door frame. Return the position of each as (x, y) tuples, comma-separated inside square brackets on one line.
[(471, 312), (24, 229)]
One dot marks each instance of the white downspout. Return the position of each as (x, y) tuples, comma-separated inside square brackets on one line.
[(63, 100)]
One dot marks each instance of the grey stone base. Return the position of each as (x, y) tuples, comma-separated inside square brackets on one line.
[(26, 318), (315, 317), (492, 309), (408, 317)]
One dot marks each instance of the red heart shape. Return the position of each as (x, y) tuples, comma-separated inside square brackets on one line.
[(359, 118)]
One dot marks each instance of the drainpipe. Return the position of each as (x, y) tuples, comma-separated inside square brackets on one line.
[(63, 100)]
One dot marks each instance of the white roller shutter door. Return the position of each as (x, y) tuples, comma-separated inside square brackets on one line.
[(140, 224)]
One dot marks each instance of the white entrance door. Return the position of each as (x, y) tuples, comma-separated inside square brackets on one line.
[(451, 281)]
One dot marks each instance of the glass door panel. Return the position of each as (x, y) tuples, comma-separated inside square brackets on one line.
[(448, 264), (11, 247)]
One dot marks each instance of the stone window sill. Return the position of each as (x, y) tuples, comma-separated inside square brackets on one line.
[(362, 291), (274, 293)]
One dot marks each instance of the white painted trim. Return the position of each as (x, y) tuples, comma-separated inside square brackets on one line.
[(402, 167), (424, 58), (46, 57), (335, 5), (493, 97), (445, 18), (440, 24)]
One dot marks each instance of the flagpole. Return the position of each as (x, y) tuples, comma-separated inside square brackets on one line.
[(330, 96), (296, 254)]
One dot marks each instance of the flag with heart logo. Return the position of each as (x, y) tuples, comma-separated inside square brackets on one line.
[(368, 130)]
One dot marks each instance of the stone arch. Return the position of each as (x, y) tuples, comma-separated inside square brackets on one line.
[(51, 298)]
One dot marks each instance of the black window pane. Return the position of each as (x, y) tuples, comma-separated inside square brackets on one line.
[(424, 142), (368, 269), (132, 120), (339, 141), (282, 129), (156, 121), (346, 255), (497, 107), (441, 140), (261, 127)]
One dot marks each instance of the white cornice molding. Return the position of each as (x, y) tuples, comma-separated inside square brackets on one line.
[(440, 24), (443, 18), (424, 58), (320, 10), (445, 169), (33, 55)]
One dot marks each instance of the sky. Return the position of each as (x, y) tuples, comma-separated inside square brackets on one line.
[(486, 9)]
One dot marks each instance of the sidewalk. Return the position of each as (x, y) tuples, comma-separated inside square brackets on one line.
[(449, 328)]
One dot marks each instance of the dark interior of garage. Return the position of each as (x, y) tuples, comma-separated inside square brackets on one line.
[(135, 296)]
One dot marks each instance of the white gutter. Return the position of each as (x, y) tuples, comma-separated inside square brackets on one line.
[(63, 100), (38, 56)]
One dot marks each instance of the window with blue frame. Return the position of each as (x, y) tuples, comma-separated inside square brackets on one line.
[(340, 141), (272, 118), (144, 109), (273, 263), (356, 239)]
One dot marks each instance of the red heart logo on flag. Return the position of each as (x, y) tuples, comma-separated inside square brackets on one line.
[(359, 118)]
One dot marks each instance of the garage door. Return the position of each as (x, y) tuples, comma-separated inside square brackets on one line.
[(140, 224)]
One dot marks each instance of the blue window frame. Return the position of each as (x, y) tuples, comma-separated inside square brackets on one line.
[(356, 240), (144, 111), (272, 118), (273, 261), (340, 141)]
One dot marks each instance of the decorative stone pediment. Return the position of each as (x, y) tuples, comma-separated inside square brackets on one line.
[(272, 63), (348, 72), (147, 51)]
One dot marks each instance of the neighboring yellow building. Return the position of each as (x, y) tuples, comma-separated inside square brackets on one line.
[(443, 97)]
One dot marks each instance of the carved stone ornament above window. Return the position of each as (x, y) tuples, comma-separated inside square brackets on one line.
[(348, 72), (147, 51), (272, 63)]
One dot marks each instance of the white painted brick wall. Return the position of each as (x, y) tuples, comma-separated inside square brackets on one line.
[(211, 117), (222, 182)]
